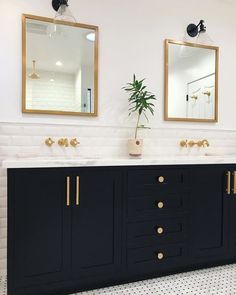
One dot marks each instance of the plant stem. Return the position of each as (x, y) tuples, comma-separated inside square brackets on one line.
[(136, 129)]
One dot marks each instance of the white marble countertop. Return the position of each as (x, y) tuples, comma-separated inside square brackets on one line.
[(39, 162)]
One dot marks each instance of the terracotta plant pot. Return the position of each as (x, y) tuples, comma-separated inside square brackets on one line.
[(135, 147)]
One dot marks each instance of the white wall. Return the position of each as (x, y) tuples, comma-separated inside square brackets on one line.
[(131, 41)]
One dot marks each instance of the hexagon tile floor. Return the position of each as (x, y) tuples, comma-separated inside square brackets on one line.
[(214, 281)]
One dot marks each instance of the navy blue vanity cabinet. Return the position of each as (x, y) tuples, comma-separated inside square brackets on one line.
[(209, 212), (74, 229), (63, 229)]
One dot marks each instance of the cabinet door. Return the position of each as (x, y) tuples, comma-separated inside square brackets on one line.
[(38, 231), (208, 210), (96, 223)]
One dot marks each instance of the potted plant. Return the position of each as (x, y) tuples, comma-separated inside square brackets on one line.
[(140, 102)]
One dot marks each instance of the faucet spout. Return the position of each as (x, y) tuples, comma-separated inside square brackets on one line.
[(205, 143)]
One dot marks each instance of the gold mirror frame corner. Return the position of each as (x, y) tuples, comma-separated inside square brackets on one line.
[(96, 66), (166, 82)]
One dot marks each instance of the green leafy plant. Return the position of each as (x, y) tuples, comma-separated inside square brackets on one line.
[(140, 100)]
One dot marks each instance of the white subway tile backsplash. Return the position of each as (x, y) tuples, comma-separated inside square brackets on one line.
[(3, 265), (3, 234), (3, 253), (3, 222), (27, 140), (3, 192), (3, 202), (21, 140), (3, 243)]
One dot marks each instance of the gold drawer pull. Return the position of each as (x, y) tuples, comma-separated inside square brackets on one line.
[(234, 190), (160, 205), (68, 191), (228, 183), (160, 255), (160, 230), (77, 190), (161, 179)]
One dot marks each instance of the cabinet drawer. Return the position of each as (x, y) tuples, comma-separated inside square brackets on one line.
[(157, 205), (158, 232), (156, 258), (143, 180)]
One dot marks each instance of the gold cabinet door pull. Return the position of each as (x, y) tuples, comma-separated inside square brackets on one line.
[(228, 190), (77, 201), (68, 191), (234, 190)]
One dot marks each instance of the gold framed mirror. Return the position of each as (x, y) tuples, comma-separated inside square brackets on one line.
[(59, 67), (191, 82)]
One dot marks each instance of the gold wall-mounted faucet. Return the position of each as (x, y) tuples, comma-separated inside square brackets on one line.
[(74, 142), (183, 143), (205, 143), (63, 142), (49, 142), (192, 143)]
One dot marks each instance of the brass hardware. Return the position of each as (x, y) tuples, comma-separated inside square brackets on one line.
[(160, 230), (49, 142), (161, 179), (234, 190), (160, 255), (228, 183), (63, 142), (200, 143), (192, 143), (68, 191), (183, 143), (74, 142), (205, 142), (77, 190), (160, 205)]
